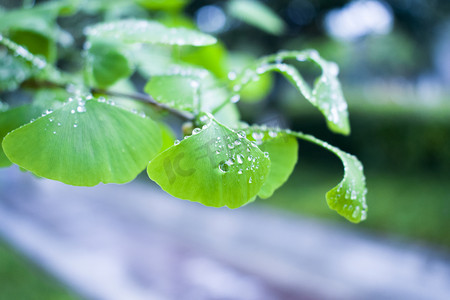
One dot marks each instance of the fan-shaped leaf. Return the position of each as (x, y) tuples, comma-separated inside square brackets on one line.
[(143, 31), (85, 143), (216, 166), (177, 91), (326, 95), (283, 151), (106, 63), (348, 198), (257, 14)]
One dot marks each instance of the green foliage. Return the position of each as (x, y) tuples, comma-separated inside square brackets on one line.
[(257, 14), (144, 31), (92, 125)]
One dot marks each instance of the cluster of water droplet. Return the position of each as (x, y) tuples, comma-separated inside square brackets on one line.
[(142, 31)]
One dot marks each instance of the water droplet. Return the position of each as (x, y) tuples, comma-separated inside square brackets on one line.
[(241, 134), (54, 132), (273, 134), (240, 158), (266, 154), (230, 146), (258, 136), (75, 125), (72, 111), (232, 76), (81, 109), (237, 142), (50, 119), (250, 180), (224, 167), (59, 124), (196, 130), (176, 142), (250, 158), (101, 99), (240, 171), (235, 98)]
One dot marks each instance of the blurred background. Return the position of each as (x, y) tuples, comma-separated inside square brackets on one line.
[(394, 60)]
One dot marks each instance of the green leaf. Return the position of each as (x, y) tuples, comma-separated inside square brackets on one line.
[(177, 91), (326, 95), (35, 42), (167, 5), (213, 58), (257, 14), (143, 31), (283, 152), (227, 167), (85, 142), (10, 120), (106, 63), (348, 198), (12, 71)]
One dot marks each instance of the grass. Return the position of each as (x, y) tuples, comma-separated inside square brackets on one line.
[(20, 279), (413, 205)]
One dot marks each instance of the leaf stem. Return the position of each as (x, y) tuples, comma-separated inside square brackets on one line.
[(147, 99)]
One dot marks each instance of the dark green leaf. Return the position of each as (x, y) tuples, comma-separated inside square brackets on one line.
[(107, 63)]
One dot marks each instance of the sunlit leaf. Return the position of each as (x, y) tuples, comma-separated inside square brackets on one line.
[(282, 149), (143, 31), (257, 14), (85, 142), (106, 63), (326, 94), (216, 166), (348, 198)]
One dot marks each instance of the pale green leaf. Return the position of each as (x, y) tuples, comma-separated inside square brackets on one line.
[(143, 31), (10, 120), (85, 142), (177, 91), (216, 166), (257, 14), (326, 94), (348, 198), (282, 149), (12, 71)]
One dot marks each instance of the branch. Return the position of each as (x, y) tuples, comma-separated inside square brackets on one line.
[(149, 100)]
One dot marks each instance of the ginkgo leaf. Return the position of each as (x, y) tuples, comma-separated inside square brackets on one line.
[(283, 152), (10, 120), (85, 142), (348, 198), (215, 166), (257, 14), (144, 31), (106, 63), (326, 94), (177, 91)]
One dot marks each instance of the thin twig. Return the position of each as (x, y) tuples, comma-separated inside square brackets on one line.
[(147, 99)]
